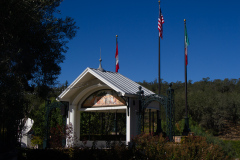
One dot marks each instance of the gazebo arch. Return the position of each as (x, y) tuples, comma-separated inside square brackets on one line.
[(49, 108), (88, 91), (167, 102)]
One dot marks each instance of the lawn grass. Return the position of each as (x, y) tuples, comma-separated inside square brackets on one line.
[(232, 147), (235, 147)]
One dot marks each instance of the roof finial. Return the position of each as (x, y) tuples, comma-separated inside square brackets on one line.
[(100, 65)]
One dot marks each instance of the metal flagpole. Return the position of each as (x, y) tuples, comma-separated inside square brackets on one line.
[(186, 129), (159, 84), (115, 58), (159, 126)]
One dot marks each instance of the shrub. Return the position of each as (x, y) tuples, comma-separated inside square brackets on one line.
[(57, 136), (36, 140), (149, 146), (145, 146), (41, 154), (191, 147)]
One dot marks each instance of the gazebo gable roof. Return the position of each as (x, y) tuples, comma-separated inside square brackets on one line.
[(116, 81)]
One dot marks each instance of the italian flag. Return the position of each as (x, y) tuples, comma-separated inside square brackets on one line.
[(186, 45)]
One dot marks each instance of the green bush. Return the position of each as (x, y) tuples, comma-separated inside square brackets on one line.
[(120, 152), (232, 148), (145, 146), (41, 154), (191, 147), (36, 140)]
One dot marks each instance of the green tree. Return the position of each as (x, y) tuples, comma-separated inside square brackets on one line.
[(212, 104), (32, 44), (38, 114)]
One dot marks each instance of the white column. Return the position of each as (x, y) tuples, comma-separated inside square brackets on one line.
[(128, 136), (134, 118), (68, 117), (77, 125), (131, 120), (72, 122), (67, 124)]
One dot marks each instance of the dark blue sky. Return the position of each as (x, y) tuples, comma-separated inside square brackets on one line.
[(213, 30)]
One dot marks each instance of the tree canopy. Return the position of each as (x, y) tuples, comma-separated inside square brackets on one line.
[(32, 41), (32, 45), (212, 104)]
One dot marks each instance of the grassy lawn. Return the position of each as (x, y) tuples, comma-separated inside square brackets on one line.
[(235, 145)]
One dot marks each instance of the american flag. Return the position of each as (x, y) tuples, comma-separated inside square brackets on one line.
[(160, 23)]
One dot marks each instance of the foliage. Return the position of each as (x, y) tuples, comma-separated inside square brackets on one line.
[(119, 153), (70, 136), (38, 111), (59, 133), (40, 154), (36, 141), (101, 123), (38, 114), (229, 147), (145, 146), (57, 136), (212, 104), (32, 42), (233, 147), (191, 147)]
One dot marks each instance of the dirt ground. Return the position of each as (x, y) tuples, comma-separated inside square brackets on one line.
[(230, 132)]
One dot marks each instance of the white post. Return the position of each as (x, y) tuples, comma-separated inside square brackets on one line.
[(128, 136), (77, 125), (134, 118), (72, 122), (68, 117)]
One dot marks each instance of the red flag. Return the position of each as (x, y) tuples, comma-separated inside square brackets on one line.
[(160, 23), (116, 56)]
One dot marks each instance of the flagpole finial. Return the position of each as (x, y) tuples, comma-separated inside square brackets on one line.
[(184, 20), (100, 65), (116, 35)]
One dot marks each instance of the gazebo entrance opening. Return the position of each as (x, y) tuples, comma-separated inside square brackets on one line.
[(145, 105), (103, 126), (103, 117), (150, 121)]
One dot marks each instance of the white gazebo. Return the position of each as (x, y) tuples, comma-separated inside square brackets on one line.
[(97, 90)]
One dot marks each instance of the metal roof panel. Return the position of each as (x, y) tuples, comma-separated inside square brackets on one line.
[(114, 80), (121, 82)]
